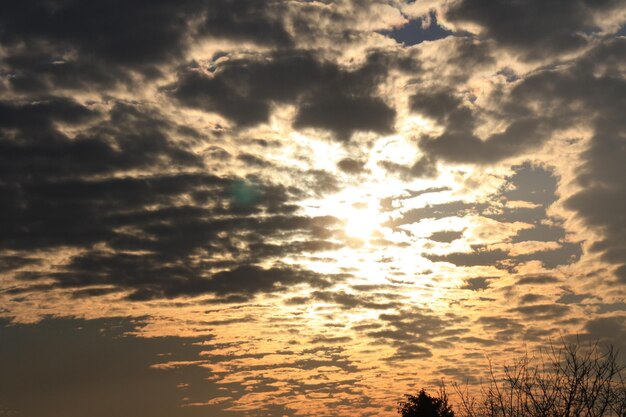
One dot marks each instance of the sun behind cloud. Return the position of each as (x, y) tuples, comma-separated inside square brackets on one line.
[(361, 221)]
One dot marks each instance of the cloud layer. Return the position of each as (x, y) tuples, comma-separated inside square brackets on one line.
[(299, 203)]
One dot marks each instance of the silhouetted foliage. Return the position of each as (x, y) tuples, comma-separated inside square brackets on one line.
[(425, 405), (571, 381)]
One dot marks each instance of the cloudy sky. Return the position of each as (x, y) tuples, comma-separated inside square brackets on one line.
[(275, 208)]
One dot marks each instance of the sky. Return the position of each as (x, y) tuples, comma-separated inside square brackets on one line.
[(237, 208)]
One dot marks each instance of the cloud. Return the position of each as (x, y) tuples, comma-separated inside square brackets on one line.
[(161, 157), (40, 114), (328, 96), (539, 279), (435, 211), (345, 115), (521, 135), (589, 91), (82, 191), (75, 45), (167, 269), (241, 20), (532, 27), (121, 40), (249, 279), (130, 137), (351, 166), (479, 256), (606, 329), (446, 236), (413, 332), (477, 283), (349, 301), (73, 366), (542, 311), (503, 328), (460, 119)]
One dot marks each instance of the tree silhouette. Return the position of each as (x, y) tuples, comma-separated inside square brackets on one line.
[(425, 405), (571, 381)]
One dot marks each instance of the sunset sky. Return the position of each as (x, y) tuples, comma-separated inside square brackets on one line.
[(238, 208)]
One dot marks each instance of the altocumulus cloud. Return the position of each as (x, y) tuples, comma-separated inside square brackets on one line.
[(268, 208)]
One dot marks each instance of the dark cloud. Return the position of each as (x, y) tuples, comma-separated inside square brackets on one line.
[(39, 114), (521, 135), (345, 115), (329, 97), (413, 332), (572, 298), (424, 167), (83, 191), (75, 44), (540, 233), (460, 118), (477, 284), (533, 27), (611, 307), (141, 200), (74, 212), (531, 298), (533, 184), (73, 367), (241, 20), (59, 193), (129, 137), (532, 111), (469, 53), (320, 182), (542, 311), (168, 269), (262, 249), (387, 204), (479, 256), (11, 262), (250, 279), (539, 279), (254, 161), (466, 374), (445, 107), (351, 166), (41, 69), (565, 254), (330, 340), (602, 201), (606, 329), (446, 236), (115, 31), (503, 328), (348, 301), (436, 211), (589, 91)]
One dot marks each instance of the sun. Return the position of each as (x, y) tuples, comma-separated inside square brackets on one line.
[(357, 209), (361, 221)]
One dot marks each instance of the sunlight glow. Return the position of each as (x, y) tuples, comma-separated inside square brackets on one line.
[(361, 223)]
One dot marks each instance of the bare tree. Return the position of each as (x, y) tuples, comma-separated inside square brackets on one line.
[(570, 381)]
